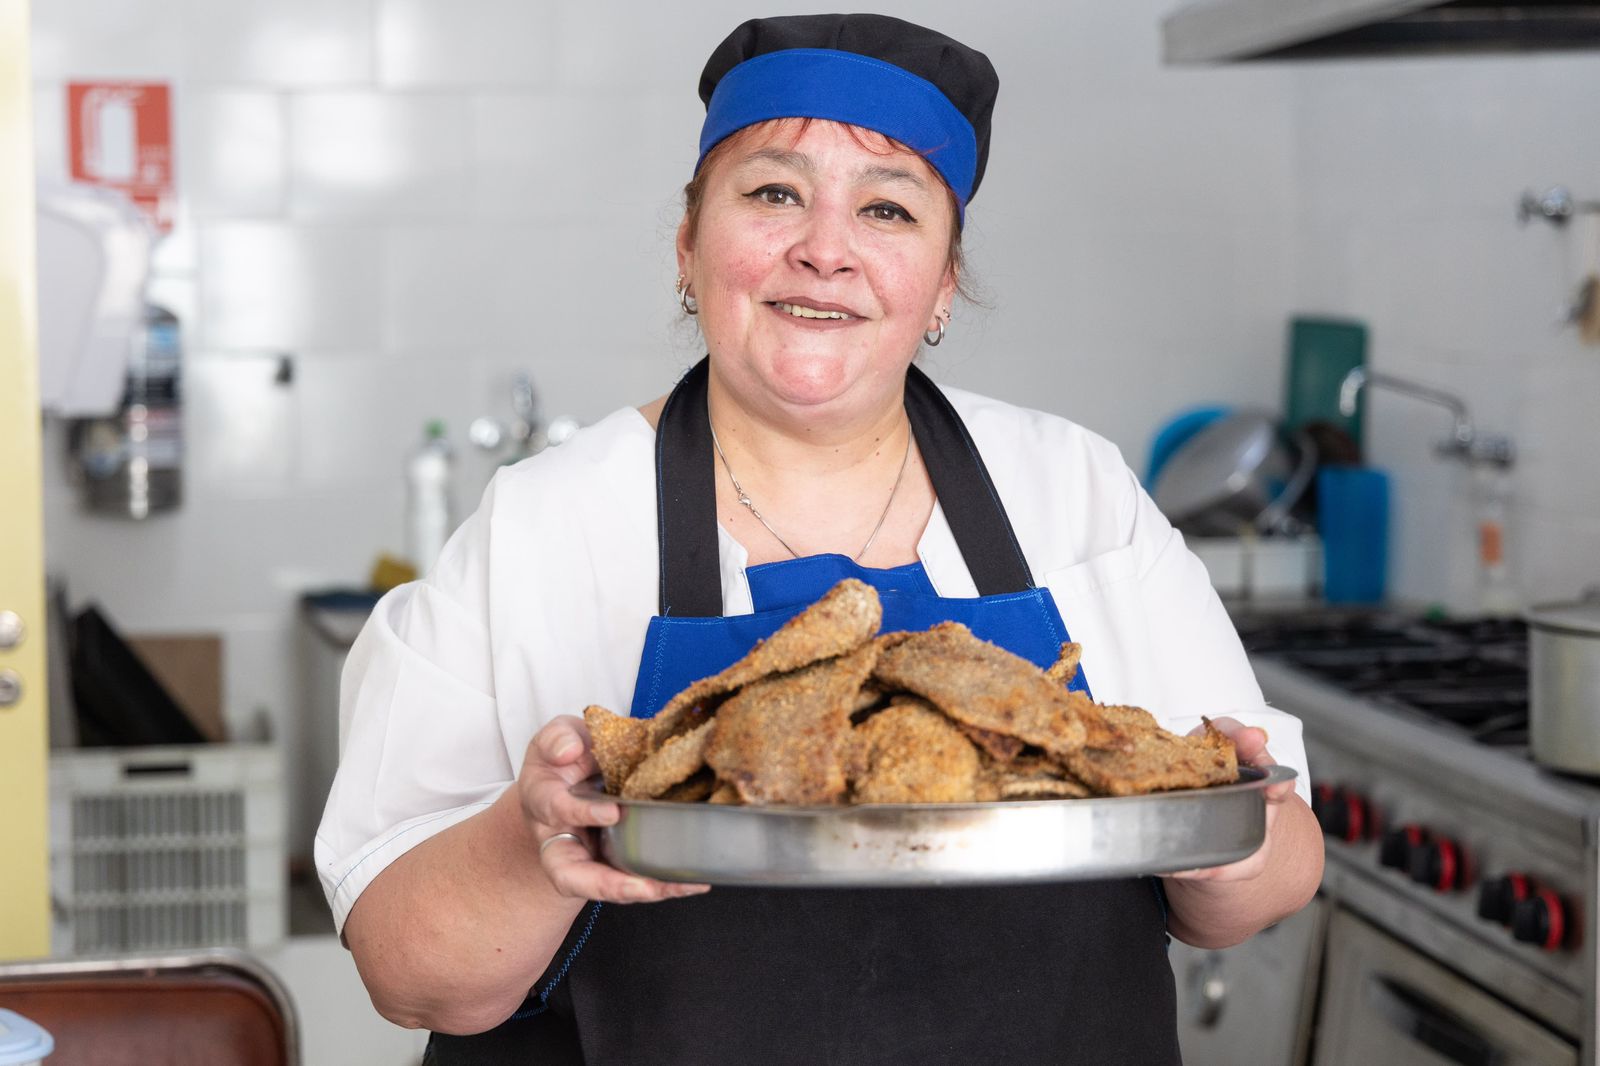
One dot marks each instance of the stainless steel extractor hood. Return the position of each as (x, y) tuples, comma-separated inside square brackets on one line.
[(1227, 31)]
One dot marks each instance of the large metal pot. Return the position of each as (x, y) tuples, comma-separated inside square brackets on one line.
[(1564, 716)]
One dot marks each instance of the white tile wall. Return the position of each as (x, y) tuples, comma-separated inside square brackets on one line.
[(105, 40), (434, 296), (276, 285), (297, 43), (465, 43), (242, 423), (232, 153), (566, 154), (375, 154), (50, 130)]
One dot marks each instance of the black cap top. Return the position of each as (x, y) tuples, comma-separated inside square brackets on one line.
[(868, 95)]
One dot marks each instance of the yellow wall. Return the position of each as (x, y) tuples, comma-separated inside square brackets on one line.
[(24, 896)]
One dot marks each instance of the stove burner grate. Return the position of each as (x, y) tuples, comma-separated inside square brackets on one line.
[(1470, 674)]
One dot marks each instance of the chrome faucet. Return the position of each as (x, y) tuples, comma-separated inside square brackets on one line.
[(1465, 443), (525, 432)]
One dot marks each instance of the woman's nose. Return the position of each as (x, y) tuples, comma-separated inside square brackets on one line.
[(824, 243)]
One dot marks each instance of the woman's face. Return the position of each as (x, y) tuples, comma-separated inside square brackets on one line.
[(818, 262)]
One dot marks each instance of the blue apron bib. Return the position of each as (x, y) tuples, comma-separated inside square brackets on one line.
[(679, 651)]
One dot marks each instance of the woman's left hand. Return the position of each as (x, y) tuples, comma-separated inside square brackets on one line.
[(1251, 744)]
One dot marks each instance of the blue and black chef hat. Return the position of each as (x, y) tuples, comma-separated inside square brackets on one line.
[(928, 91)]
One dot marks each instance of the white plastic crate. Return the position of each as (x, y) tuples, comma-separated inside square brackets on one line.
[(179, 847)]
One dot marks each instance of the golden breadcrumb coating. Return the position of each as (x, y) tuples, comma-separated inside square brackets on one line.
[(783, 739), (910, 753), (618, 742), (844, 619), (982, 685)]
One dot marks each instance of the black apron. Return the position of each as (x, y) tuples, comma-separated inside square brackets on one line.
[(1072, 973)]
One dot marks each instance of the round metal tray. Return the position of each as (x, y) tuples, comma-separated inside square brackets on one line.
[(887, 845)]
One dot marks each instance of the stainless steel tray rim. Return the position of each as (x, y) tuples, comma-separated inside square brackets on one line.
[(896, 845)]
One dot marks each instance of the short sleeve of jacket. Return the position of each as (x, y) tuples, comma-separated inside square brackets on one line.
[(420, 740)]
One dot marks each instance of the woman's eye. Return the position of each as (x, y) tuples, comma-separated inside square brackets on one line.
[(887, 212), (777, 195)]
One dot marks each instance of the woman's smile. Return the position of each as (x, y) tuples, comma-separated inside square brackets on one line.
[(814, 315)]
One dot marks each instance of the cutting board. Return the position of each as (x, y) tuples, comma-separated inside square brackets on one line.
[(1321, 352)]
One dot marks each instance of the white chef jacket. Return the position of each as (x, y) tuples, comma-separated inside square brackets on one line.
[(538, 606)]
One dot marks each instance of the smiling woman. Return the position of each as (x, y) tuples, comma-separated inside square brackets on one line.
[(819, 251)]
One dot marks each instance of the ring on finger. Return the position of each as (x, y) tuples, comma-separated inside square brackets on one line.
[(574, 837)]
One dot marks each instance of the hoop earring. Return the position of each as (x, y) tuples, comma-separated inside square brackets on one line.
[(688, 303), (932, 339)]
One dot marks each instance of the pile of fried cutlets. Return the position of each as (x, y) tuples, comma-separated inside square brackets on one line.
[(828, 711)]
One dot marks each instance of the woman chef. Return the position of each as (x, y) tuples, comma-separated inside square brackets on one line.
[(819, 250)]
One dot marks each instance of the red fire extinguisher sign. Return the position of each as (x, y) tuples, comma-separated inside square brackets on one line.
[(120, 137)]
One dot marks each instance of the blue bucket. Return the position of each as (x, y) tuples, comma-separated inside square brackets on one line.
[(1353, 521)]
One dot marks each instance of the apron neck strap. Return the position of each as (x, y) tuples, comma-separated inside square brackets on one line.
[(961, 482), (686, 497)]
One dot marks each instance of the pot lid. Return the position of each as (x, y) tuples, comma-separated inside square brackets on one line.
[(1215, 464), (1580, 616)]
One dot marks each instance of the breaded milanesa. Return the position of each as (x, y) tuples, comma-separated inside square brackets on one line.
[(618, 743), (843, 620), (698, 787), (675, 761), (1111, 727), (1031, 777), (1065, 668), (982, 685), (910, 753), (998, 746), (1158, 761), (1040, 786), (785, 739)]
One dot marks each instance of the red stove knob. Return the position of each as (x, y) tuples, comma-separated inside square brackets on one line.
[(1541, 919), (1341, 813), (1437, 864), (1499, 896), (1394, 850)]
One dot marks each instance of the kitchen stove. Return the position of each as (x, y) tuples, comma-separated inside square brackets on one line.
[(1454, 921), (1470, 675)]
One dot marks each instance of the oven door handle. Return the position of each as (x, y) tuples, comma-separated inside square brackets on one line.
[(1442, 1031)]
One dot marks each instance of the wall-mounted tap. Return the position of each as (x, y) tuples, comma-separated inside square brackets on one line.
[(527, 432), (524, 431), (1465, 443)]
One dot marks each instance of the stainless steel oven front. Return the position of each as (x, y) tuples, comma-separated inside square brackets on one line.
[(1385, 1002)]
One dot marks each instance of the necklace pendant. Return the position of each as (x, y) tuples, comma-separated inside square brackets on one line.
[(745, 501)]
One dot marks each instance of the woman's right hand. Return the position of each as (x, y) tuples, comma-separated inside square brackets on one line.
[(557, 758)]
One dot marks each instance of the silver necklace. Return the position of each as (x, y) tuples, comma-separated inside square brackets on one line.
[(744, 498)]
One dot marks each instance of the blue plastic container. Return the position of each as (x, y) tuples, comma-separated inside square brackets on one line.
[(22, 1043), (1353, 521)]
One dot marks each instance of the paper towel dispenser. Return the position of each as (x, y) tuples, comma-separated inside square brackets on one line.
[(94, 251)]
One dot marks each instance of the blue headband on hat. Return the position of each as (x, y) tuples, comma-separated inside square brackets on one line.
[(846, 87)]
